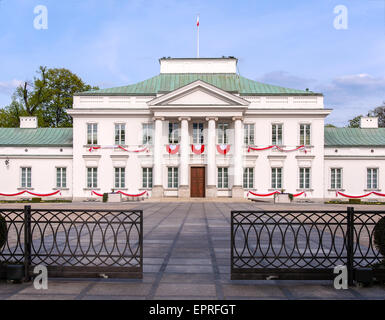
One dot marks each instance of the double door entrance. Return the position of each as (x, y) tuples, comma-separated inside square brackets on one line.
[(198, 182)]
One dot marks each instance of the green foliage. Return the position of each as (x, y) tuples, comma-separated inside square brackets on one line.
[(61, 85), (355, 122), (376, 112), (47, 97), (379, 236), (3, 232), (380, 113), (36, 200), (291, 197), (10, 115), (330, 125), (354, 201), (105, 197)]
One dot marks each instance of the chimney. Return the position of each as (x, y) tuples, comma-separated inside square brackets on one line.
[(28, 122), (369, 123)]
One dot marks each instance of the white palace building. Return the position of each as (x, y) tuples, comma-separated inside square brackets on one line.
[(198, 129)]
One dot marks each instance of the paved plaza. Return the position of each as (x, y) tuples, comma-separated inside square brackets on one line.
[(187, 256)]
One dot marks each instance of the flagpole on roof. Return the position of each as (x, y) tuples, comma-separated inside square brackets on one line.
[(198, 37)]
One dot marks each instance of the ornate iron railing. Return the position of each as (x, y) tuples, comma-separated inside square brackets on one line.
[(301, 244), (76, 243)]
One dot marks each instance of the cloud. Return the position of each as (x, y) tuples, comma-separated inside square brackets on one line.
[(7, 87), (347, 95), (285, 79), (352, 95)]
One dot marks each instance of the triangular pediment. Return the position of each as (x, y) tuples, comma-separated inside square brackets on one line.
[(198, 93)]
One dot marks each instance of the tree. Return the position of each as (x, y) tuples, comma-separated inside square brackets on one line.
[(10, 115), (376, 112), (48, 97), (355, 122), (329, 125), (32, 99), (380, 113), (60, 86)]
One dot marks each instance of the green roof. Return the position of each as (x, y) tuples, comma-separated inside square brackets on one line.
[(40, 137), (354, 137), (230, 82), (63, 137)]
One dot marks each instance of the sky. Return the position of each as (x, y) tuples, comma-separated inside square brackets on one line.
[(289, 43)]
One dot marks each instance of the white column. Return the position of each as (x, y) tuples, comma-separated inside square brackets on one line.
[(184, 189), (238, 158), (211, 189), (157, 191)]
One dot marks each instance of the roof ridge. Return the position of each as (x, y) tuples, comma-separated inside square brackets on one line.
[(167, 82)]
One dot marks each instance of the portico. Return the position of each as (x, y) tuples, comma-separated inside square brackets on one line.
[(197, 108), (186, 160)]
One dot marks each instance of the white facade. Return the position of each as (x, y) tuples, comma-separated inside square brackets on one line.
[(288, 119)]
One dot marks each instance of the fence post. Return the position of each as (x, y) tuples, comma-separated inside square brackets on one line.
[(232, 242), (350, 245), (141, 241), (27, 242)]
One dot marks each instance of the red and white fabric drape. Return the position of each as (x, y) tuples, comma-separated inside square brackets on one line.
[(31, 193), (173, 148), (223, 148), (274, 193), (198, 148), (137, 150), (338, 193), (122, 193), (301, 148)]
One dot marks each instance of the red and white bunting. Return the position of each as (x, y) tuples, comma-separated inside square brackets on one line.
[(122, 193), (140, 150), (31, 193), (173, 148), (274, 193), (301, 148), (144, 149), (338, 193), (198, 148), (223, 148)]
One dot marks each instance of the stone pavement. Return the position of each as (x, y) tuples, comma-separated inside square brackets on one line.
[(187, 256)]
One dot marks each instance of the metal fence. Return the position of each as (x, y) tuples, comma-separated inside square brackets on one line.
[(302, 244), (75, 243)]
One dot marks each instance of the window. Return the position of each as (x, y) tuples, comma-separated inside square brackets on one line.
[(223, 129), (147, 178), (198, 133), (304, 178), (305, 135), (249, 134), (372, 178), (276, 178), (276, 135), (120, 177), (61, 177), (92, 133), (173, 132), (120, 134), (336, 178), (147, 131), (26, 178), (248, 178), (173, 181), (223, 178), (92, 177)]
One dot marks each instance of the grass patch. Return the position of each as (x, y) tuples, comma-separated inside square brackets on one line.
[(42, 201), (374, 203)]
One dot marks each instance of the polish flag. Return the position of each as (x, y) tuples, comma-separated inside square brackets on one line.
[(198, 21)]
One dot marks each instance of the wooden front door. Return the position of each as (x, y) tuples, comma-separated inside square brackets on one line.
[(198, 182)]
